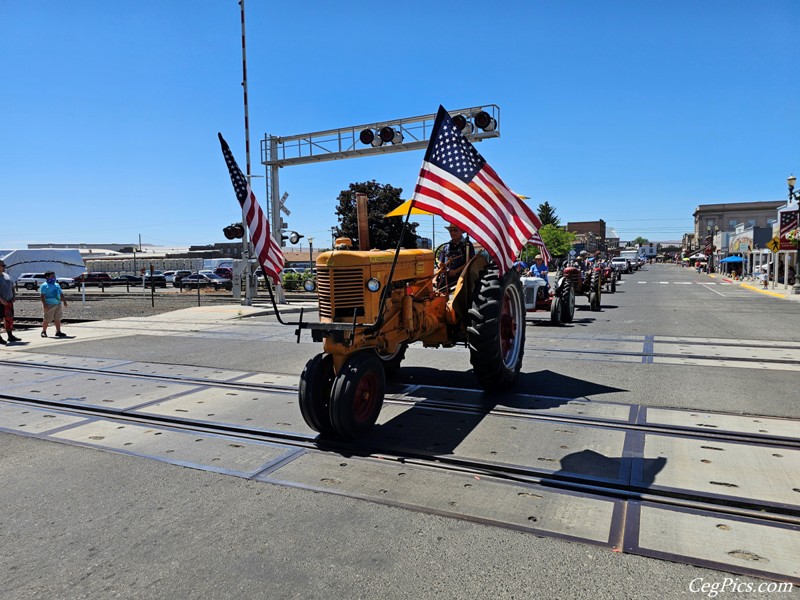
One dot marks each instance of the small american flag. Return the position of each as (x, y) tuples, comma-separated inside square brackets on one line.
[(267, 249), (537, 241), (788, 221), (456, 183)]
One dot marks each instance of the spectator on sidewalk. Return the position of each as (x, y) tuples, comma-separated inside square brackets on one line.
[(7, 304), (764, 277), (52, 301)]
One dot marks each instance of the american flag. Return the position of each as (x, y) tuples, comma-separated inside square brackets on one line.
[(537, 241), (788, 221), (456, 183), (267, 249)]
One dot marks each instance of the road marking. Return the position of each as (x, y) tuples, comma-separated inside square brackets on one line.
[(682, 282), (641, 282), (715, 291), (663, 282)]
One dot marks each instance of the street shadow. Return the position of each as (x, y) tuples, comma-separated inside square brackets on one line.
[(639, 472)]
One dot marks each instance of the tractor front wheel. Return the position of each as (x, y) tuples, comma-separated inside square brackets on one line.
[(357, 395), (314, 393), (496, 329)]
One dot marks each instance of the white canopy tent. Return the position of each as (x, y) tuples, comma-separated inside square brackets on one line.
[(65, 263)]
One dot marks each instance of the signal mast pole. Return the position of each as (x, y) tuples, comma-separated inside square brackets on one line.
[(248, 294)]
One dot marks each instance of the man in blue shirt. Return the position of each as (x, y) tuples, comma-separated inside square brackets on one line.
[(52, 301)]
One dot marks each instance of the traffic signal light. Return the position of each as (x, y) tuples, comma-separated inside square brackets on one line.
[(234, 231), (293, 237)]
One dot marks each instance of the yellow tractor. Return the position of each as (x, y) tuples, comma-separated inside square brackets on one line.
[(373, 304)]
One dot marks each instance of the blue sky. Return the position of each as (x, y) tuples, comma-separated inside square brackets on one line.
[(631, 111)]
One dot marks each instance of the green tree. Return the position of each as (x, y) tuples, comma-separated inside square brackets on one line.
[(640, 241), (381, 199), (558, 242), (547, 215)]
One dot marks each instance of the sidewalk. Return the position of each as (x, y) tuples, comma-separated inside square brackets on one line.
[(185, 321), (755, 286)]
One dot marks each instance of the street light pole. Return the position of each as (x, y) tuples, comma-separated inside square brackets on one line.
[(311, 253)]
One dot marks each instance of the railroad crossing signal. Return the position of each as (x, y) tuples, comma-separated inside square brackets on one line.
[(282, 204), (774, 244)]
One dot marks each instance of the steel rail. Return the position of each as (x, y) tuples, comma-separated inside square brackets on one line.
[(400, 398), (513, 473)]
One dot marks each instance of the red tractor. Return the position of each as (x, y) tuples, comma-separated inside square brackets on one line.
[(586, 282)]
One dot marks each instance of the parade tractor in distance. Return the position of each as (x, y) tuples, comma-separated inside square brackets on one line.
[(586, 283), (558, 301), (366, 325)]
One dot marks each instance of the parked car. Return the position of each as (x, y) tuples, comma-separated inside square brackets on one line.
[(169, 276), (225, 272), (201, 279), (93, 279), (32, 281), (157, 279), (127, 280), (180, 274)]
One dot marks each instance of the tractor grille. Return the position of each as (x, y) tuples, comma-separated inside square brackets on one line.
[(341, 291), (530, 296)]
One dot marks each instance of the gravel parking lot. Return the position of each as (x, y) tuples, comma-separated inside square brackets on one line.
[(119, 303)]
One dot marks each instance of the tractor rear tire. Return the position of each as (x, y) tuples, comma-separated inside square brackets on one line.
[(567, 294), (556, 309), (391, 362), (496, 329), (314, 393), (357, 395), (595, 292)]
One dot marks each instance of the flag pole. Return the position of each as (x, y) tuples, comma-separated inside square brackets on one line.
[(248, 293)]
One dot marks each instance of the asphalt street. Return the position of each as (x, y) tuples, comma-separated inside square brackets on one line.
[(84, 523)]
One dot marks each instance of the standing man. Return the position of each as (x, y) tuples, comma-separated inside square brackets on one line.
[(7, 304), (52, 300), (454, 256)]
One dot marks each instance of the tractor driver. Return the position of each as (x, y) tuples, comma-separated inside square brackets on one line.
[(454, 256)]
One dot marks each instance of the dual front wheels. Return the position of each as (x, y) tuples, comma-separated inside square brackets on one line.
[(346, 404)]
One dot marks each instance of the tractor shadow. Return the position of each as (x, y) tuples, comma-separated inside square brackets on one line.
[(441, 418)]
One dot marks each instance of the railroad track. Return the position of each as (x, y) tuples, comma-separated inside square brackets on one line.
[(407, 453), (441, 426)]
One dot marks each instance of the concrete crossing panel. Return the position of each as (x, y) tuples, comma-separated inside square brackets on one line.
[(199, 450), (735, 544), (262, 411), (60, 360), (521, 506), (759, 474), (572, 450), (536, 405), (719, 423), (179, 371), (16, 375), (106, 391), (25, 419)]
